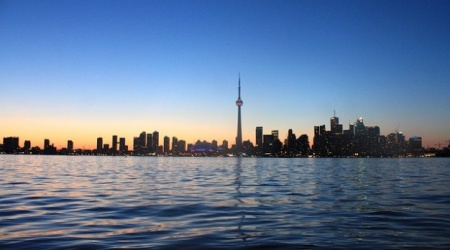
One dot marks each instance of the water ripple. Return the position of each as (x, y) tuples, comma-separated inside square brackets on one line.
[(168, 203)]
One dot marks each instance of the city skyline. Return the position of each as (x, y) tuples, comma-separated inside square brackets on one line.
[(71, 71), (139, 144)]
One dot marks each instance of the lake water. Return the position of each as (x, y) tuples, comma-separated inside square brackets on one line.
[(61, 202)]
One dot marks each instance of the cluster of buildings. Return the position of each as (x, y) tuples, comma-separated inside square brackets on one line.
[(358, 140)]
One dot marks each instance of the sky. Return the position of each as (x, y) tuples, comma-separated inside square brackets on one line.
[(78, 70)]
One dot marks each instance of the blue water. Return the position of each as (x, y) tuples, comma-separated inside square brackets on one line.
[(61, 202)]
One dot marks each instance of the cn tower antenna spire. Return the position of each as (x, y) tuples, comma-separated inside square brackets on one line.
[(239, 90), (239, 104)]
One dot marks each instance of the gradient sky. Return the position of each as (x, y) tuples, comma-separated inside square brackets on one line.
[(78, 70)]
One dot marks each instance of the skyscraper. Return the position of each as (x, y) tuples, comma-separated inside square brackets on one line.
[(166, 144), (336, 128), (259, 137), (122, 146), (99, 144), (155, 142), (150, 143), (239, 103), (10, 144), (275, 134), (47, 143), (70, 145), (114, 144)]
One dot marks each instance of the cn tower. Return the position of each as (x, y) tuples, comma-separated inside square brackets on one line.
[(239, 103)]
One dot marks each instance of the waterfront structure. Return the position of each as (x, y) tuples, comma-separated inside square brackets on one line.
[(224, 145), (99, 144), (114, 144), (336, 128), (27, 145), (150, 143), (69, 146), (181, 146), (122, 147), (155, 142), (49, 149), (239, 104), (10, 144), (175, 149), (291, 143), (275, 134), (303, 145), (166, 144), (259, 137)]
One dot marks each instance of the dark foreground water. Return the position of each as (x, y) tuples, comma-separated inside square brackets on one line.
[(52, 202)]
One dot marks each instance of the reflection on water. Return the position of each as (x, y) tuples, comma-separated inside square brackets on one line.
[(140, 202)]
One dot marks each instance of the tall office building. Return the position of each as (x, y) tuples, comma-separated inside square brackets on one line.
[(259, 137), (267, 143), (224, 144), (149, 143), (166, 144), (27, 145), (99, 144), (10, 144), (46, 144), (114, 144), (142, 138), (155, 143), (336, 128), (70, 145), (182, 146), (122, 146), (175, 148), (291, 141), (275, 134), (239, 104), (360, 128)]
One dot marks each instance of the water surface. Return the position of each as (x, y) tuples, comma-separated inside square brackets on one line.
[(60, 202)]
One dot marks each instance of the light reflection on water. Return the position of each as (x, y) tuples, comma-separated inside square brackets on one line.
[(111, 202)]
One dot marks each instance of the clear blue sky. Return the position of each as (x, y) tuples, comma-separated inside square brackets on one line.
[(83, 69)]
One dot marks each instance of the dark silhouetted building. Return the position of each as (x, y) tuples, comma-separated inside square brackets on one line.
[(150, 148), (49, 149), (70, 146), (175, 149), (225, 145), (181, 146), (201, 147), (336, 128), (166, 144), (27, 145), (415, 145), (10, 145), (268, 143), (291, 143), (114, 144), (303, 145), (122, 147), (46, 143), (259, 137), (155, 141), (99, 145), (275, 134)]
